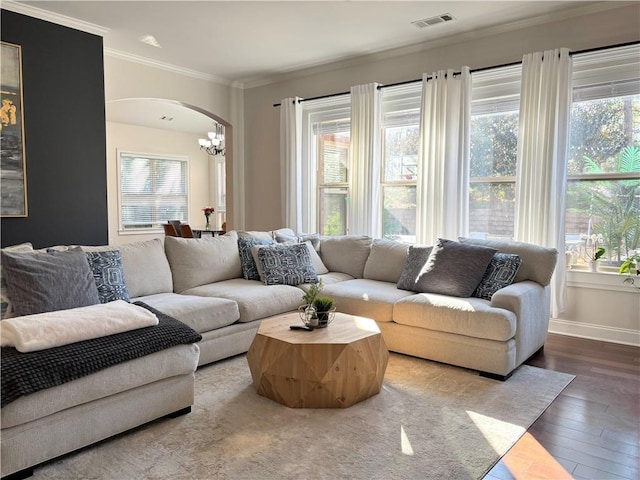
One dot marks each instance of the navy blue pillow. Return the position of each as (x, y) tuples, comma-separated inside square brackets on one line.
[(108, 274), (501, 271), (249, 269)]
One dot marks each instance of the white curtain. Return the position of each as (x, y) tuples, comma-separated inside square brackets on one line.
[(541, 177), (364, 200), (443, 170), (291, 162)]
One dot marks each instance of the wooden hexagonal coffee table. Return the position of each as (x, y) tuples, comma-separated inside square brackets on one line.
[(336, 366)]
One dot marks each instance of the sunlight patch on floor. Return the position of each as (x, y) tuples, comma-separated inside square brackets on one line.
[(497, 433), (405, 444)]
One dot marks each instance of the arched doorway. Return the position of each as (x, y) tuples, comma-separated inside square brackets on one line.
[(173, 115)]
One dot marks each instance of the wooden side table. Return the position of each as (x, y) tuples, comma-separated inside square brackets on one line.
[(331, 367)]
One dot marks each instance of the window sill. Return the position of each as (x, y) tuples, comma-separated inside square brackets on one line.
[(148, 231), (600, 281)]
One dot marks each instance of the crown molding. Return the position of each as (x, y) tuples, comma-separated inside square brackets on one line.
[(56, 18), (166, 66), (454, 38)]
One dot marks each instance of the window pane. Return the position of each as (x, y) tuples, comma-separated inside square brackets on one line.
[(401, 153), (609, 208), (494, 148), (334, 158), (153, 190), (600, 130), (605, 134), (492, 210), (494, 144), (333, 211), (399, 213)]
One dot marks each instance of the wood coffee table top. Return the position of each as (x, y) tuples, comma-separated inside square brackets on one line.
[(336, 366)]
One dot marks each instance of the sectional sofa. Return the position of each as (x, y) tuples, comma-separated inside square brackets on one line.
[(209, 285)]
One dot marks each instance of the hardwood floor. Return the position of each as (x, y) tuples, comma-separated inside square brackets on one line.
[(592, 430)]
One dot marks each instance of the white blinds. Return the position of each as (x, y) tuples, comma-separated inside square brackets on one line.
[(153, 190)]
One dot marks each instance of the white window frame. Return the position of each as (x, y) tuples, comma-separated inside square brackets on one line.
[(335, 109), (608, 73), (400, 108), (152, 156)]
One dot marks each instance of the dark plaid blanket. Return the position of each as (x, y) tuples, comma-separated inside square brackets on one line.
[(25, 373)]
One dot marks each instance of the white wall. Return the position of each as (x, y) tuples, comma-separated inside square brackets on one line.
[(152, 141), (126, 79), (262, 149), (607, 314)]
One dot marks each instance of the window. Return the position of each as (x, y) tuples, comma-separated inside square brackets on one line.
[(220, 190), (493, 149), (333, 178), (153, 189), (603, 191), (400, 145), (326, 141)]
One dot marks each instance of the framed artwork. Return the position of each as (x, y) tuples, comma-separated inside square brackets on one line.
[(13, 178)]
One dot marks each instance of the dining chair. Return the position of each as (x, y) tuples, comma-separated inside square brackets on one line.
[(170, 230), (185, 231)]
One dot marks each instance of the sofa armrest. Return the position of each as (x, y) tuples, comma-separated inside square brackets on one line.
[(530, 301)]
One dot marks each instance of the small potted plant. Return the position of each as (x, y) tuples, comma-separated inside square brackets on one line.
[(316, 311), (630, 267), (325, 310), (593, 250)]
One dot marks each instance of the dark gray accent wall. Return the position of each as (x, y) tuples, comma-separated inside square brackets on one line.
[(65, 134)]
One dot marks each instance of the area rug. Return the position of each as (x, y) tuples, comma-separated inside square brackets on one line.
[(429, 421)]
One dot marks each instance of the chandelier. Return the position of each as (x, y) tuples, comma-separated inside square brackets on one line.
[(214, 145)]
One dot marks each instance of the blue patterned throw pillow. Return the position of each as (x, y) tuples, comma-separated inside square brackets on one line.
[(249, 269), (501, 271), (108, 274), (287, 265)]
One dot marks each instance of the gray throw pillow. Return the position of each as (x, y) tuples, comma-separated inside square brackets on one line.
[(453, 268), (416, 258), (249, 268), (45, 282), (287, 265), (501, 271), (108, 275)]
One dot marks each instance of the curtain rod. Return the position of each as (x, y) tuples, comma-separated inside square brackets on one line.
[(475, 70)]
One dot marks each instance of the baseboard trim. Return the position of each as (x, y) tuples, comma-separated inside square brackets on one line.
[(623, 336)]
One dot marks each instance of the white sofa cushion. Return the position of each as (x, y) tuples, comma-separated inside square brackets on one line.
[(386, 260), (146, 269), (345, 254), (174, 361), (255, 299), (200, 313), (471, 317), (366, 298), (199, 261), (537, 264)]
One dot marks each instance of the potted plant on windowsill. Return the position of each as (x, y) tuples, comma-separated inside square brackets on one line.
[(593, 250), (630, 267)]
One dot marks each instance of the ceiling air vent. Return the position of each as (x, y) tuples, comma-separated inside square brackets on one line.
[(429, 22)]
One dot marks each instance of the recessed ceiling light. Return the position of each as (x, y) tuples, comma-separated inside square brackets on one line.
[(150, 40)]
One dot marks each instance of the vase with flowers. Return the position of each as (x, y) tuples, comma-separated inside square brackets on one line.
[(593, 249), (207, 213)]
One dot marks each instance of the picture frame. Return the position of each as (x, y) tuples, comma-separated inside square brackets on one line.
[(13, 173)]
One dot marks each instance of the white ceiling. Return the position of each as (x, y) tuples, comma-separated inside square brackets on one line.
[(246, 41), (250, 42)]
